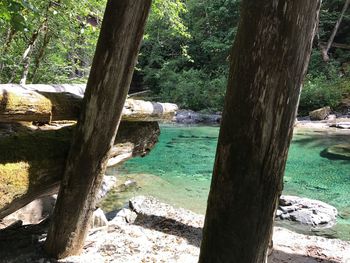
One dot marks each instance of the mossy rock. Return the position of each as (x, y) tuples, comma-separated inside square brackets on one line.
[(339, 151)]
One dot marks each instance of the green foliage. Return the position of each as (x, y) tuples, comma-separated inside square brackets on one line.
[(319, 92), (192, 89), (191, 58), (64, 39), (183, 58), (318, 68)]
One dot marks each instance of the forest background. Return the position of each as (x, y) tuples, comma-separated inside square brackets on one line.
[(184, 56)]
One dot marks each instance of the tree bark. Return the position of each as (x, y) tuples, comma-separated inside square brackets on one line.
[(9, 36), (41, 53), (107, 88), (268, 62), (33, 161), (325, 49), (21, 103)]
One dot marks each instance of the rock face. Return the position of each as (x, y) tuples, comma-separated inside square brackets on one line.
[(320, 114), (306, 211), (192, 117)]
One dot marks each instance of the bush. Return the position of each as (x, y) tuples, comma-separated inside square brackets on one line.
[(319, 92), (193, 89)]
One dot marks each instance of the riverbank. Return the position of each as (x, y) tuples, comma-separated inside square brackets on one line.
[(331, 121), (151, 231), (333, 124)]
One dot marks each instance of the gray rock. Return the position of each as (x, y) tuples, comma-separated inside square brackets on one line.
[(33, 213), (320, 114), (123, 215), (306, 211), (331, 117), (130, 183), (341, 125), (99, 219), (192, 117), (107, 184), (129, 215)]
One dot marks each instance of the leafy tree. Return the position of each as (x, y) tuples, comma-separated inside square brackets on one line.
[(185, 48)]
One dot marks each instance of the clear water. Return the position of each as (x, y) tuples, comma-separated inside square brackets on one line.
[(178, 171)]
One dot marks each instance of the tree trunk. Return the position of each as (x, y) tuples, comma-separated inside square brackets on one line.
[(107, 88), (9, 36), (33, 161), (325, 49), (23, 103), (41, 53), (26, 58), (268, 62)]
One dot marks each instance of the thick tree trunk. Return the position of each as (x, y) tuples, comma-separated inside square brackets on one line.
[(32, 162), (107, 88), (325, 49), (19, 103), (268, 61)]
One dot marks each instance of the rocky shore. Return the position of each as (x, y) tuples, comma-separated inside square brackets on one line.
[(321, 118), (148, 230)]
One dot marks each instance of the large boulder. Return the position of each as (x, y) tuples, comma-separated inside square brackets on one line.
[(306, 211), (320, 114)]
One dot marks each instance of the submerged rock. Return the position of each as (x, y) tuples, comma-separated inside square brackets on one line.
[(340, 151), (306, 211)]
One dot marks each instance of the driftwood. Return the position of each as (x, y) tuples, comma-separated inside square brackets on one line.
[(46, 103), (32, 161)]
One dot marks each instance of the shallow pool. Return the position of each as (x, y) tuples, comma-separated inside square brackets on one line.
[(178, 171)]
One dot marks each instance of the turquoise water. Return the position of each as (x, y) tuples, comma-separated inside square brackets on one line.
[(178, 171)]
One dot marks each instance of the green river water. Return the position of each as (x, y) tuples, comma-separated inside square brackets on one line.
[(178, 171)]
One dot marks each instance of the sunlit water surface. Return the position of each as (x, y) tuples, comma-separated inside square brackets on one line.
[(178, 171)]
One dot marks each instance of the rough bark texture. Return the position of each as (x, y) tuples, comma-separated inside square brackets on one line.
[(42, 103), (268, 61), (32, 162), (113, 65)]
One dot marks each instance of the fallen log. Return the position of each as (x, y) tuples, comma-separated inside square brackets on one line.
[(46, 103), (32, 161)]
